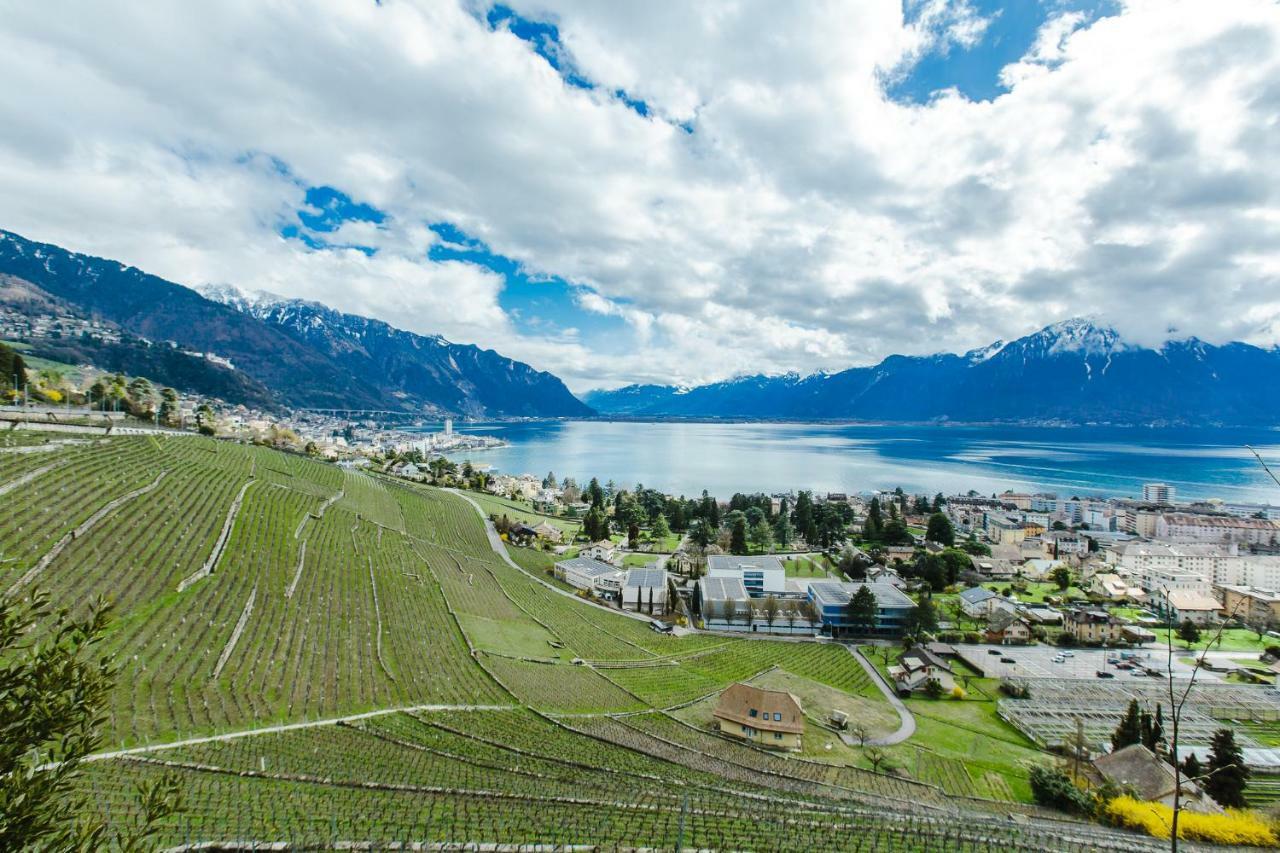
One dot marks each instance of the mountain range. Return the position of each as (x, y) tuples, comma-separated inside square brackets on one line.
[(283, 352), (1076, 371)]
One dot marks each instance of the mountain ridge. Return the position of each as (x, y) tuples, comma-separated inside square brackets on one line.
[(325, 367), (1073, 371)]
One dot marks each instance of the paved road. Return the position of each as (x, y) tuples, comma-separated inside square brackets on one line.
[(500, 548), (908, 726)]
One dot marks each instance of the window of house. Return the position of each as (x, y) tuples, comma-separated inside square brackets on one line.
[(777, 735), (777, 716), (751, 713), (745, 729)]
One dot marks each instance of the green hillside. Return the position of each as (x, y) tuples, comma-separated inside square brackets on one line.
[(322, 657)]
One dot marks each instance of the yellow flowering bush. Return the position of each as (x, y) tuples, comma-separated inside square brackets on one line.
[(1156, 819)]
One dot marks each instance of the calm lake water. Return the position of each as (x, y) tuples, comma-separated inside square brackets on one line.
[(747, 457)]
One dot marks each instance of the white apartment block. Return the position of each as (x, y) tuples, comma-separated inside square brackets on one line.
[(1188, 527), (1151, 564), (1158, 493)]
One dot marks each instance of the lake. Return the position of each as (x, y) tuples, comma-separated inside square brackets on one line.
[(685, 458)]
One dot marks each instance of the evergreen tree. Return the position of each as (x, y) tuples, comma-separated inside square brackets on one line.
[(1129, 731), (738, 534), (940, 530), (168, 414), (1189, 633), (783, 532), (595, 494), (874, 525), (660, 529), (922, 618), (938, 502), (862, 610), (1227, 775), (895, 532), (701, 532), (1191, 768), (1153, 731), (595, 525), (804, 518), (761, 534)]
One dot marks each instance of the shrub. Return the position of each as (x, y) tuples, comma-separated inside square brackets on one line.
[(933, 688), (972, 637), (957, 692), (1156, 819), (1053, 788)]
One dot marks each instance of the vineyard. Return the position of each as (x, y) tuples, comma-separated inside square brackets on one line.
[(254, 589), (512, 776)]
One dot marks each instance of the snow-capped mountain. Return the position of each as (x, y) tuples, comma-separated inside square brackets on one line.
[(1076, 371), (424, 369), (291, 352)]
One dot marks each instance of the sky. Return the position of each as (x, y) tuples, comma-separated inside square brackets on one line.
[(669, 192)]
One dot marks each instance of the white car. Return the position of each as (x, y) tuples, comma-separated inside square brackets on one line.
[(1059, 659), (1068, 654)]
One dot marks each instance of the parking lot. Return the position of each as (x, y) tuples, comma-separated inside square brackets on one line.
[(1038, 662)]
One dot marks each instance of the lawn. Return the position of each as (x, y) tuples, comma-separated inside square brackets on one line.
[(817, 700), (523, 511), (511, 637), (631, 561), (1233, 640), (804, 567), (968, 730)]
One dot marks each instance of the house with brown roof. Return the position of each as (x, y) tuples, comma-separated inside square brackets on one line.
[(1136, 768), (770, 718), (1008, 629)]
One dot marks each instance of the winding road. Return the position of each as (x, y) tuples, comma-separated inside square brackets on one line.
[(500, 548), (908, 726)]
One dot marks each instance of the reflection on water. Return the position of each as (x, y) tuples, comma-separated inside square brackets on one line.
[(724, 458)]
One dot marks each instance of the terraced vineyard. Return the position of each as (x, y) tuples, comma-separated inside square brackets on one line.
[(511, 776), (345, 658)]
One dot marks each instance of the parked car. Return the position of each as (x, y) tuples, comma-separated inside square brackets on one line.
[(1102, 673), (1068, 654), (1137, 673), (1059, 659), (1007, 660), (993, 651)]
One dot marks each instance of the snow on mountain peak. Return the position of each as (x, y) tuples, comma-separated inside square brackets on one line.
[(1077, 334)]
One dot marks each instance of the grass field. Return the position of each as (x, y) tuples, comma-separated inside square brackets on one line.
[(805, 566), (523, 511), (1232, 640), (253, 588), (993, 754)]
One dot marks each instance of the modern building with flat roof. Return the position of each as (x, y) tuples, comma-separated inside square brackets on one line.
[(831, 599), (763, 575), (645, 591)]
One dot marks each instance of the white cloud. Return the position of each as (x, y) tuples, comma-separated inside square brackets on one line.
[(808, 222)]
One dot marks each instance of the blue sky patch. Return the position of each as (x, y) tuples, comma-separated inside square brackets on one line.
[(544, 38), (537, 305), (326, 211), (975, 71)]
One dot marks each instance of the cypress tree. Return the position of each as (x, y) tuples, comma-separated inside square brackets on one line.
[(1227, 774), (1129, 731)]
